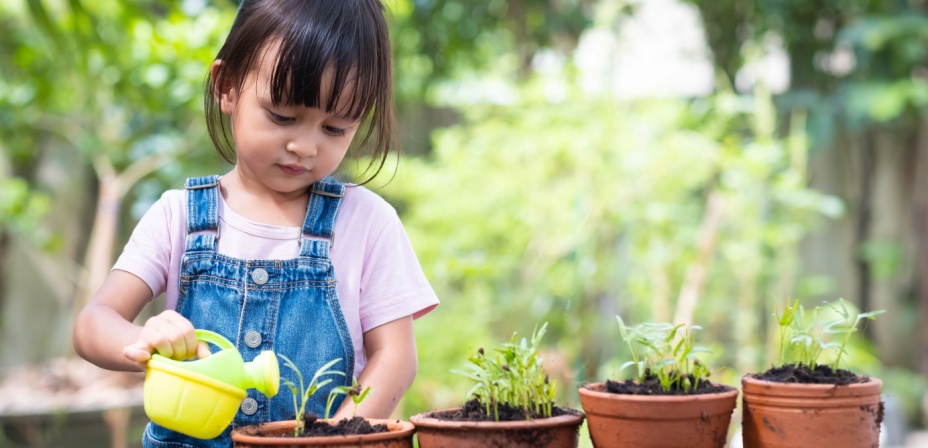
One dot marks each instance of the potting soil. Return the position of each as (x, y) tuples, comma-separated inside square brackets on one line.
[(821, 374), (652, 386), (315, 427)]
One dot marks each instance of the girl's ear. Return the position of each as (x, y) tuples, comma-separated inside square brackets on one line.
[(224, 94)]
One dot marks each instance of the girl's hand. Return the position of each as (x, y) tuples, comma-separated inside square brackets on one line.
[(169, 334)]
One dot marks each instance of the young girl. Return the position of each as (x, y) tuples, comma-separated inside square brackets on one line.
[(276, 254)]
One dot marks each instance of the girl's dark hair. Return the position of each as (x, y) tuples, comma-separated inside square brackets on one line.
[(348, 37)]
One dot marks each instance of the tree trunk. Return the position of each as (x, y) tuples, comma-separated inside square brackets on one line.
[(525, 48), (99, 256), (920, 211), (894, 265), (5, 241), (695, 280), (862, 216), (877, 253)]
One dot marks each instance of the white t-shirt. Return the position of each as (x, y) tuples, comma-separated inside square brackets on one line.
[(378, 274)]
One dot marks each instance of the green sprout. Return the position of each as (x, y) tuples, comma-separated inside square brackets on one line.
[(354, 391), (514, 377), (804, 337), (784, 322), (846, 325), (305, 393), (666, 351)]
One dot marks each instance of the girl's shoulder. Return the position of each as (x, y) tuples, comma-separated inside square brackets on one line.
[(362, 198), (174, 203), (365, 212), (174, 197)]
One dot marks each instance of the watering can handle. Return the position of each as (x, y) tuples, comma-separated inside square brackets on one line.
[(215, 338)]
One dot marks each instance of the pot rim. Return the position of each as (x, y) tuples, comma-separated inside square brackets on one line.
[(397, 429), (597, 390), (426, 420), (750, 379), (753, 386)]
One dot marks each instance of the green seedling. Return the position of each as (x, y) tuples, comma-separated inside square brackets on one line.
[(514, 376), (667, 351), (305, 393), (354, 391), (784, 322), (805, 336), (846, 325)]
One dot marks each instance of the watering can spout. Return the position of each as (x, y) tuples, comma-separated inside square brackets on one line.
[(263, 373)]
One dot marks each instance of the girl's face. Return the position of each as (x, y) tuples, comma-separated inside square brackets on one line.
[(286, 148)]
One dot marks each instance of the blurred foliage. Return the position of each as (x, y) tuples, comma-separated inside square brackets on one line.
[(852, 62), (598, 213), (891, 77), (441, 39), (22, 210), (114, 82), (543, 203), (105, 78)]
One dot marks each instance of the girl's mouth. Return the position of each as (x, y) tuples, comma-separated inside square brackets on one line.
[(292, 170)]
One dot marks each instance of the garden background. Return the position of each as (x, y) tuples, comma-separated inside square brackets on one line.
[(563, 161)]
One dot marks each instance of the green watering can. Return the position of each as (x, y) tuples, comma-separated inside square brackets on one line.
[(200, 398)]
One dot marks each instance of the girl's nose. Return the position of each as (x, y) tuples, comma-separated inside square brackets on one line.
[(303, 147)]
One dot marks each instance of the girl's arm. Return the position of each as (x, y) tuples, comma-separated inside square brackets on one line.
[(391, 368), (104, 332)]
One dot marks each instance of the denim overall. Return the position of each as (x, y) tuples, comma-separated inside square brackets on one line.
[(288, 306)]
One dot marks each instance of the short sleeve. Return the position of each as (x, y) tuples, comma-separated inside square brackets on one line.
[(147, 254), (392, 282)]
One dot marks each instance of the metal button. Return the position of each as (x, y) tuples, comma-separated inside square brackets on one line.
[(249, 406), (253, 339), (259, 276)]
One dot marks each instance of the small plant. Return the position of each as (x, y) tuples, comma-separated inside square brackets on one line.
[(305, 393), (805, 337), (666, 351), (784, 322), (354, 391), (514, 377)]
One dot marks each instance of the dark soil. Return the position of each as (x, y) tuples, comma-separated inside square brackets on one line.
[(821, 374), (473, 411), (652, 386), (316, 427), (879, 411)]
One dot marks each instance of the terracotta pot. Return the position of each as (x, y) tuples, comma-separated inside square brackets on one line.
[(620, 420), (267, 434), (791, 415), (562, 431)]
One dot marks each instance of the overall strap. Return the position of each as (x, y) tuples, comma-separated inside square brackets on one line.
[(202, 213), (324, 201)]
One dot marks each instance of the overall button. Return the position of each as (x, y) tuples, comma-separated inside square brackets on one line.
[(249, 406), (259, 276), (252, 339)]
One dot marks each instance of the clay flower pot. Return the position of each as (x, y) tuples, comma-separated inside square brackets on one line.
[(561, 431), (621, 420), (268, 434), (791, 414)]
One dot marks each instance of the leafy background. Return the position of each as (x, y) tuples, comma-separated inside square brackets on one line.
[(531, 194)]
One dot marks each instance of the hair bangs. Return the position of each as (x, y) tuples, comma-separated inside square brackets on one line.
[(330, 61)]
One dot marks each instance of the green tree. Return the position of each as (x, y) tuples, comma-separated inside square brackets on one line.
[(438, 39), (858, 67), (118, 85)]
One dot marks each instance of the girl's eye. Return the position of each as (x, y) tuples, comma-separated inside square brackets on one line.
[(280, 119), (332, 130)]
